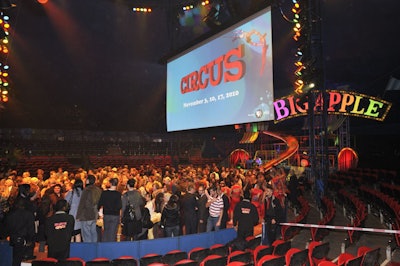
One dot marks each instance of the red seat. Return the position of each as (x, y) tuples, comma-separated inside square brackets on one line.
[(213, 260), (271, 260), (326, 263), (261, 251), (239, 255), (198, 253)]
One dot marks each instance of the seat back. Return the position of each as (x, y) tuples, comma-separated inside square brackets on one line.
[(271, 260), (150, 258), (219, 249), (243, 256), (174, 256), (317, 252), (261, 251), (98, 262), (354, 261), (73, 261), (198, 254), (187, 262), (299, 258), (128, 261), (370, 257), (44, 262), (281, 248), (214, 260)]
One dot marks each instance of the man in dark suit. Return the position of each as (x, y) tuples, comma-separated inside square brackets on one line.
[(58, 230), (203, 210), (190, 209)]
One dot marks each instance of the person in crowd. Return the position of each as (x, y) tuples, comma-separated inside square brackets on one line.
[(59, 229), (203, 210), (73, 198), (20, 226), (225, 214), (190, 210), (170, 217), (159, 204), (273, 215), (111, 203), (55, 196), (132, 198), (245, 216), (215, 205), (87, 209)]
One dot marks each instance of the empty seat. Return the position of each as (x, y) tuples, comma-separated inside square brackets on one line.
[(174, 256), (44, 262), (198, 253), (150, 258), (219, 249), (214, 260), (261, 251), (296, 257), (271, 260), (317, 251), (125, 261), (99, 262), (239, 255)]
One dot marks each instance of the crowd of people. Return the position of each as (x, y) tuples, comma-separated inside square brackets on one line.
[(127, 204)]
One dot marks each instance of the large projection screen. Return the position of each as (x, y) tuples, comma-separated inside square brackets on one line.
[(224, 80)]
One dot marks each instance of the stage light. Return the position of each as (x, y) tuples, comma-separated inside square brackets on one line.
[(42, 1), (142, 9), (204, 3)]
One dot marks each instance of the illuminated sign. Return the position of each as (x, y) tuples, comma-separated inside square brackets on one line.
[(340, 102)]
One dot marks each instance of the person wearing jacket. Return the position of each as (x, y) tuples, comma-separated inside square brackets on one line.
[(58, 229), (245, 216), (170, 217), (87, 212), (273, 215), (20, 226)]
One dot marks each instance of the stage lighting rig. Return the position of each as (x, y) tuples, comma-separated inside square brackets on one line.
[(304, 67)]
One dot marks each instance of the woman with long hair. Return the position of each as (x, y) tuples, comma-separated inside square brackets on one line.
[(73, 197), (170, 217)]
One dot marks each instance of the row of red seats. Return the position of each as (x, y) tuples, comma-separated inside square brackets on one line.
[(318, 234), (391, 190), (387, 204), (288, 232), (365, 256), (357, 209)]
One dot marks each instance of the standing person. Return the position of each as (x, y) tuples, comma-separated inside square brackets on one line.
[(73, 197), (158, 232), (87, 209), (190, 210), (245, 216), (215, 205), (203, 210), (131, 198), (110, 201), (225, 215), (59, 228), (273, 215), (170, 217), (20, 226), (55, 196)]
